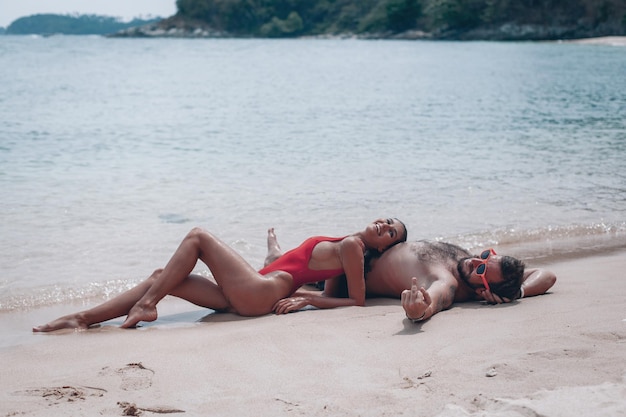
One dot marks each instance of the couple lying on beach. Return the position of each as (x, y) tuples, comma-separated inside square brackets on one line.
[(376, 262)]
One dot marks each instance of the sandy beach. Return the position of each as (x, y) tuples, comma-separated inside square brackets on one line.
[(604, 40), (561, 354)]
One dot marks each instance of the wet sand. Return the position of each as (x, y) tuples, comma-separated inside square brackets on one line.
[(560, 354)]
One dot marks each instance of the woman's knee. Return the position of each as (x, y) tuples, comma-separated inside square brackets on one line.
[(200, 235), (153, 277), (196, 232)]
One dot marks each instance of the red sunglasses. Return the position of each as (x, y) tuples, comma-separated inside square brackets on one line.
[(481, 270)]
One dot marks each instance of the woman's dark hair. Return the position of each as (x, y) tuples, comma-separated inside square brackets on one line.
[(513, 276), (406, 232)]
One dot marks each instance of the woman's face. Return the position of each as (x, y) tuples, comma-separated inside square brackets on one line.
[(383, 233)]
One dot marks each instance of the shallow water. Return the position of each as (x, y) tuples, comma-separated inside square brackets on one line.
[(112, 149)]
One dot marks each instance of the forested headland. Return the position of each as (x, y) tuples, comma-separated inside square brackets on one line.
[(409, 19)]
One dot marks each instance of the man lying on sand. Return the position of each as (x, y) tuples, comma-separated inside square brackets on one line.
[(430, 276)]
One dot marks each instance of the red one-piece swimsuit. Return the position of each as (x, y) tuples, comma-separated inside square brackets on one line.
[(296, 262)]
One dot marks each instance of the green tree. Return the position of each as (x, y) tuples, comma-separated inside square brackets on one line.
[(402, 14), (279, 28), (455, 14)]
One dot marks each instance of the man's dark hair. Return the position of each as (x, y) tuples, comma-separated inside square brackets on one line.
[(513, 275)]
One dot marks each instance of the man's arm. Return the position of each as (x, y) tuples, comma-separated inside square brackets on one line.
[(536, 281), (421, 304)]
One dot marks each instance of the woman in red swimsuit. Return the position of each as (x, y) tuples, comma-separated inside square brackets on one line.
[(238, 287)]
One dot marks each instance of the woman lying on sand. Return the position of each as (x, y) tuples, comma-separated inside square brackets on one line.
[(239, 288)]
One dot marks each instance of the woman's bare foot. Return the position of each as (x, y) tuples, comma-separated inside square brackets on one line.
[(272, 241), (139, 313), (273, 248), (72, 321)]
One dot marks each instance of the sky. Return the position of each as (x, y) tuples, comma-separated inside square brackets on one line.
[(11, 10)]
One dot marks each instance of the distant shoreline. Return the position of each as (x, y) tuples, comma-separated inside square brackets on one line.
[(602, 40), (144, 32)]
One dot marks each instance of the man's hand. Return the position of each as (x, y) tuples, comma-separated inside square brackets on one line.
[(415, 301), (492, 298)]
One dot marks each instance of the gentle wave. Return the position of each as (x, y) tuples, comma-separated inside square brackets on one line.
[(513, 238), (535, 247), (92, 292)]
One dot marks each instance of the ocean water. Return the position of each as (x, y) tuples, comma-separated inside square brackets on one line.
[(112, 149)]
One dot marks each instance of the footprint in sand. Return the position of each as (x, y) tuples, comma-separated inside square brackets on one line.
[(560, 353), (130, 409), (135, 377), (67, 393)]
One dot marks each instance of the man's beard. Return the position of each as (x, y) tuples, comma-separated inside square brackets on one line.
[(462, 274)]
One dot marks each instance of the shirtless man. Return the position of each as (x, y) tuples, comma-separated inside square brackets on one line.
[(430, 276)]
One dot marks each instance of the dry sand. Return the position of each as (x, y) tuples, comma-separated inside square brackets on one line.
[(561, 354)]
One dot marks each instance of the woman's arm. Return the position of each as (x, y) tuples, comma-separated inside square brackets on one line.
[(351, 251), (300, 300)]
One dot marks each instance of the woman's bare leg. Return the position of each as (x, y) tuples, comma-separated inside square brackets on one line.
[(195, 289), (110, 309), (202, 292), (273, 248), (248, 292)]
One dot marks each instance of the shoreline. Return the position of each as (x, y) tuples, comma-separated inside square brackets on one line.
[(181, 27), (545, 252), (535, 252), (547, 354), (618, 40)]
